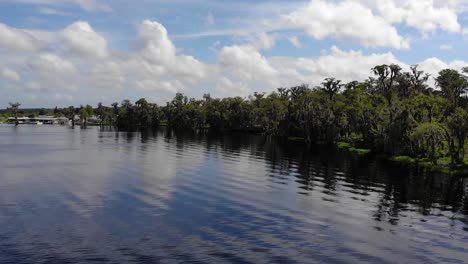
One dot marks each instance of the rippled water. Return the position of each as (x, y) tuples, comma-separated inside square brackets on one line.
[(83, 196)]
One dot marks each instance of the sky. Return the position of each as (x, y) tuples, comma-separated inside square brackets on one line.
[(72, 52)]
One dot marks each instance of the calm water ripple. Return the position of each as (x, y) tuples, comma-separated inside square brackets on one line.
[(96, 196)]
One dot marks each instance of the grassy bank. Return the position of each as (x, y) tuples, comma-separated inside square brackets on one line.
[(443, 164)]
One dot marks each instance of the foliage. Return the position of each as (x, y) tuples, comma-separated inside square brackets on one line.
[(427, 141), (394, 112)]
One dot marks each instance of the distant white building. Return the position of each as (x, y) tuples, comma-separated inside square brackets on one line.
[(39, 120), (94, 120)]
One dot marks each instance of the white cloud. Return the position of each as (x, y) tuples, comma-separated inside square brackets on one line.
[(265, 41), (13, 39), (157, 85), (344, 65), (295, 41), (108, 75), (63, 97), (424, 15), (93, 5), (34, 87), (81, 39), (226, 87), (247, 63), (261, 40), (77, 63), (346, 20), (48, 64), (53, 72), (158, 58), (9, 75), (243, 70), (465, 31), (52, 11), (265, 74), (434, 65), (368, 23), (154, 43)]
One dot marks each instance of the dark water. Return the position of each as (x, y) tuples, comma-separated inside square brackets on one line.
[(87, 196)]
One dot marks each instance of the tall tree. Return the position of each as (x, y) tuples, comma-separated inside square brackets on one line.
[(418, 79), (331, 87), (386, 77), (14, 107), (453, 85), (101, 113), (70, 114)]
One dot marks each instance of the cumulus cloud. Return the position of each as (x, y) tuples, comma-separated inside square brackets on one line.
[(81, 39), (344, 65), (288, 71), (157, 58), (434, 65), (346, 20), (244, 69), (247, 63), (368, 23), (226, 87), (421, 14), (9, 75), (154, 43), (77, 62), (108, 75), (158, 85), (52, 72), (13, 39), (51, 64)]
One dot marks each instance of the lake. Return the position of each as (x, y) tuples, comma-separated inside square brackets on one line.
[(93, 196)]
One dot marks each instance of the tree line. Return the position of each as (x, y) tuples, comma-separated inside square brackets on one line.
[(392, 112)]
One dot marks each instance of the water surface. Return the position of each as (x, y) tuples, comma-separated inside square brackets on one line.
[(92, 196)]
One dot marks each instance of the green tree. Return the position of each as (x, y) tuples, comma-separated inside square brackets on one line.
[(457, 124), (387, 75), (331, 87), (101, 112), (70, 113), (14, 108), (453, 85), (85, 112), (427, 141)]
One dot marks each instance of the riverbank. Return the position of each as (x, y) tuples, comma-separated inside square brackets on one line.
[(443, 164)]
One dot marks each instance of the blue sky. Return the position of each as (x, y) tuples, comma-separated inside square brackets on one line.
[(62, 52)]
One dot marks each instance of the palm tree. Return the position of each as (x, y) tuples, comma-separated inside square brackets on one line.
[(14, 107)]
